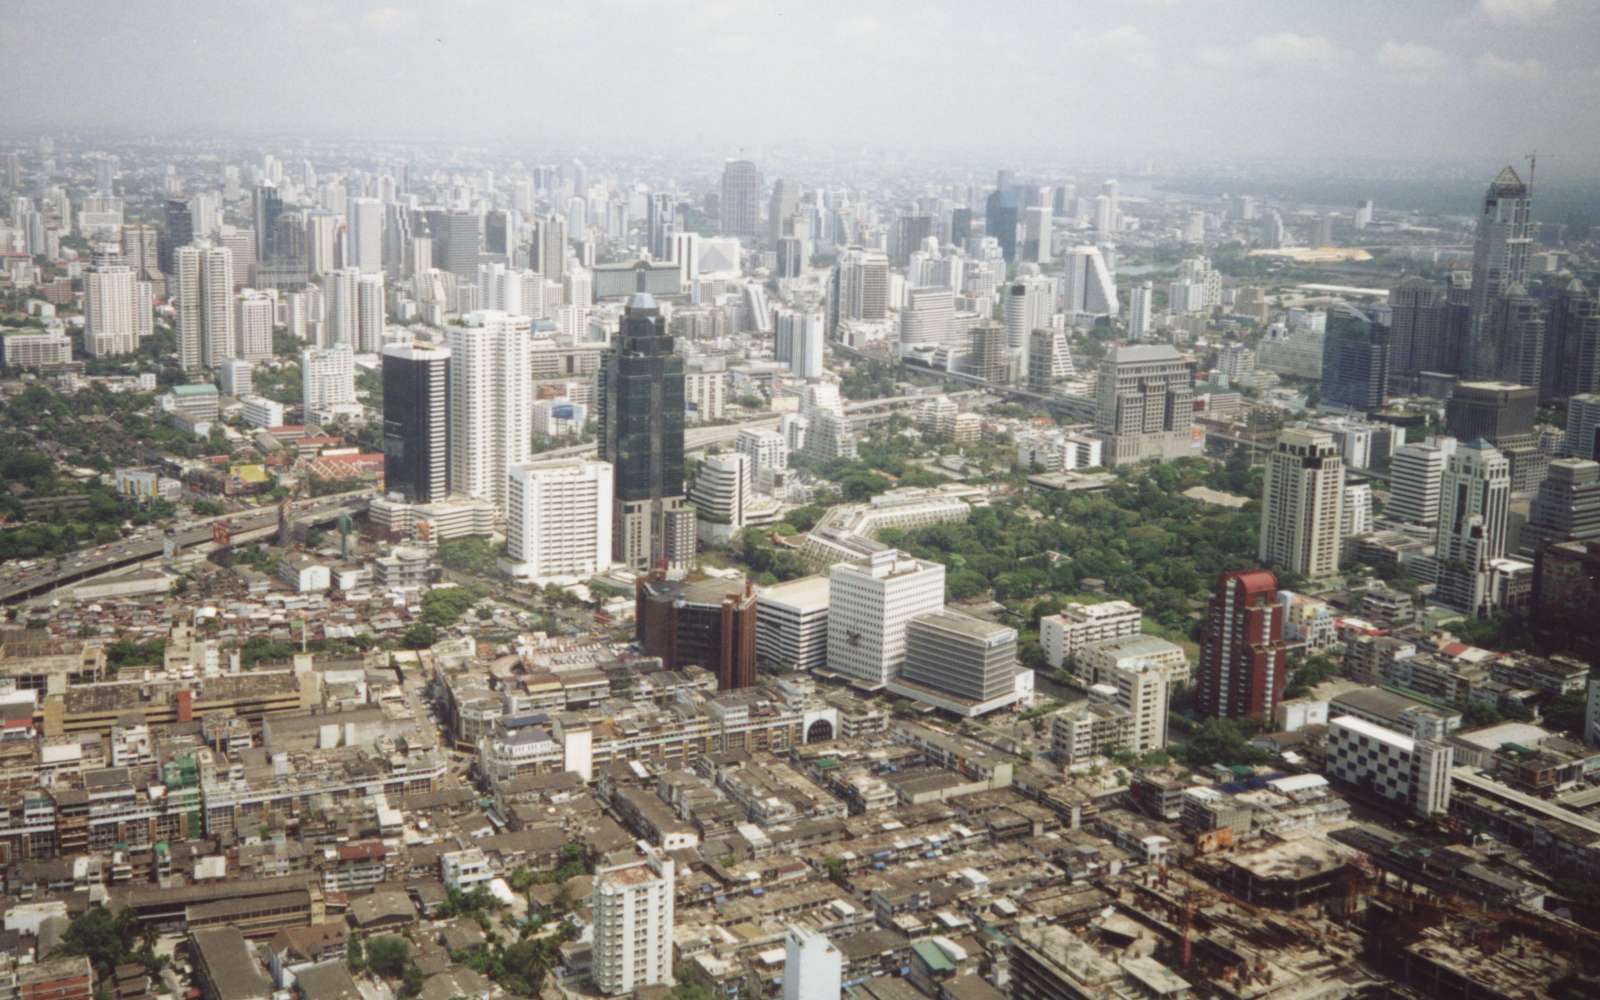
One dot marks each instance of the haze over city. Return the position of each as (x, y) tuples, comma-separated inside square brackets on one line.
[(1435, 81)]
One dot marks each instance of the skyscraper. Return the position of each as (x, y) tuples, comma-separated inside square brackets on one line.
[(327, 377), (1029, 305), (416, 409), (859, 288), (369, 313), (491, 401), (267, 207), (1144, 404), (1141, 300), (741, 199), (661, 221), (1503, 414), (365, 229), (1418, 323), (1499, 260), (548, 250), (1474, 499), (1355, 360), (640, 426), (140, 251), (1049, 360), (343, 323), (179, 232), (1003, 219), (1302, 504), (1567, 506), (457, 235), (1243, 664), (1519, 336), (1572, 344), (799, 341), (204, 294), (1087, 288)]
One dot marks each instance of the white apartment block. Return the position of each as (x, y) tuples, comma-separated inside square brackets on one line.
[(36, 350), (1142, 690), (792, 623), (767, 450), (1406, 771), (869, 607), (1063, 635), (813, 967), (236, 378), (1098, 662), (262, 412), (491, 396), (109, 303), (253, 325), (327, 377), (1085, 731), (705, 394), (558, 519), (633, 917)]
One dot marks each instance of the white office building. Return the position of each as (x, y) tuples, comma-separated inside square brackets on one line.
[(869, 608), (342, 322), (236, 378), (558, 519), (633, 918), (262, 412), (1474, 501), (1087, 288), (1416, 475), (1141, 309), (1406, 771), (1142, 689), (491, 396), (721, 495), (792, 623)]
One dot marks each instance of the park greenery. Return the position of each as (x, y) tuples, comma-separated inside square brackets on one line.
[(109, 941)]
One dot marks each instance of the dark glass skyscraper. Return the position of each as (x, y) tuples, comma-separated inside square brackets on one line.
[(416, 405), (1355, 360), (179, 233), (640, 423)]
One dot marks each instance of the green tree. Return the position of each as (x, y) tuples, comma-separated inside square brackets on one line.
[(387, 955)]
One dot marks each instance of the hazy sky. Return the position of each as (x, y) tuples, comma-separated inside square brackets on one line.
[(1438, 79)]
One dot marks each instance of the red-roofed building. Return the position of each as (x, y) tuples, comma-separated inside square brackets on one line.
[(1243, 661)]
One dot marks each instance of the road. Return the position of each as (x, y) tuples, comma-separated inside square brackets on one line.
[(700, 438), (20, 585)]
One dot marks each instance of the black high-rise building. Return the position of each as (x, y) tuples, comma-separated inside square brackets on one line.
[(1355, 360), (179, 233), (640, 424), (1002, 213), (416, 407)]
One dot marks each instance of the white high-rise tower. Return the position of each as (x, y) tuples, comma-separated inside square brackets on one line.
[(491, 401)]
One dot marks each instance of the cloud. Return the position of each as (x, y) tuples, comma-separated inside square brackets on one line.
[(856, 27), (1123, 41), (1524, 70), (1503, 11), (1289, 48), (1410, 57), (387, 19), (732, 44)]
